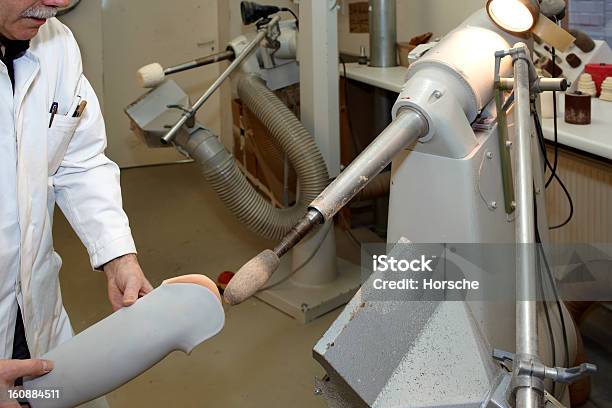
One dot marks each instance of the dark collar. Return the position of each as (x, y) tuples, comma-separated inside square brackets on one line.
[(14, 48)]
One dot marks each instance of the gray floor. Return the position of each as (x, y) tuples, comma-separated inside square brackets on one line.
[(262, 357)]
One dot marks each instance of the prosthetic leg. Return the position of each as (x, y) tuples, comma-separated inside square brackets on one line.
[(175, 316)]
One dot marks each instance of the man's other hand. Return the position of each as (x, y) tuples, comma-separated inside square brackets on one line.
[(11, 370), (126, 281)]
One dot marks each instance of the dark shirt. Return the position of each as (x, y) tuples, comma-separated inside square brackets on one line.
[(14, 50)]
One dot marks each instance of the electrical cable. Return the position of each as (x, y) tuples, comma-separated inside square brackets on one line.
[(297, 19), (508, 102), (542, 255), (540, 134), (551, 278), (543, 299), (555, 124), (356, 145), (547, 314)]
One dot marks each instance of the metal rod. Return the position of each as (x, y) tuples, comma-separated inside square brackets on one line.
[(298, 232), (539, 85), (169, 137), (526, 312), (200, 62), (406, 129)]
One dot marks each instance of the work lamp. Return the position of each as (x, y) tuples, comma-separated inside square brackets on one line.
[(515, 16), (523, 17)]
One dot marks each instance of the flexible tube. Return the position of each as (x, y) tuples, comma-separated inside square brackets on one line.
[(232, 187)]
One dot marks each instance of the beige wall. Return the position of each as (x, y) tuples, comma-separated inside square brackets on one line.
[(86, 24), (236, 27), (413, 17), (138, 32), (117, 37)]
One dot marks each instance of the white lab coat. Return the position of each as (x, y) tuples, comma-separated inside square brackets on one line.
[(41, 165)]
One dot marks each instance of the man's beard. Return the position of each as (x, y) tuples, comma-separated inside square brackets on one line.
[(40, 12)]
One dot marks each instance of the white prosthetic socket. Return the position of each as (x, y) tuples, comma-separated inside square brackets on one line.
[(177, 316)]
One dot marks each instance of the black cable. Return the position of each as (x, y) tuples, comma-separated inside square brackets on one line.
[(557, 298), (542, 255), (297, 19), (555, 123), (508, 102), (543, 295), (547, 314), (570, 200), (540, 136), (356, 145)]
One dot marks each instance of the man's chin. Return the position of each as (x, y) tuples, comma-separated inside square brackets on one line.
[(28, 28)]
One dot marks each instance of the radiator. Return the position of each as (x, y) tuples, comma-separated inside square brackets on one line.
[(590, 183)]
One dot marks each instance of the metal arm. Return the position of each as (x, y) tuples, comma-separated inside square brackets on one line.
[(405, 130), (408, 127), (171, 135), (200, 62)]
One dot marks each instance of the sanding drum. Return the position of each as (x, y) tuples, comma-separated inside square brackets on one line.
[(578, 108)]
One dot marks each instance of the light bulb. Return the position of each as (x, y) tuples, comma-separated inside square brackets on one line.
[(516, 16)]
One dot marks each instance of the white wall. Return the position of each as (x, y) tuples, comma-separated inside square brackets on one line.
[(414, 17)]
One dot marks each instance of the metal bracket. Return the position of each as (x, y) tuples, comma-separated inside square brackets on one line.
[(191, 121), (504, 146), (529, 372)]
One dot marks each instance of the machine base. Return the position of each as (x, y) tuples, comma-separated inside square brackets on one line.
[(307, 303)]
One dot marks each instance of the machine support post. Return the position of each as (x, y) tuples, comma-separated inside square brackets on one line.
[(529, 389)]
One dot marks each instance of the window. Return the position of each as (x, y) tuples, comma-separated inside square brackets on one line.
[(594, 17)]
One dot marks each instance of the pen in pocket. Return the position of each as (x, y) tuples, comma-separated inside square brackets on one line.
[(53, 112), (80, 109)]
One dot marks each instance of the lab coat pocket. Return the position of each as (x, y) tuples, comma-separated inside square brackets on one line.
[(59, 136)]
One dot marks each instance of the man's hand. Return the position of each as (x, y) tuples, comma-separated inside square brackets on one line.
[(126, 281), (10, 370)]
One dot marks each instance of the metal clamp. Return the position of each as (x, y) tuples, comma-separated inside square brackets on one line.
[(186, 110), (529, 372)]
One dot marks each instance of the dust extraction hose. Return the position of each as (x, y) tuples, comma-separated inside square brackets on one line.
[(232, 187)]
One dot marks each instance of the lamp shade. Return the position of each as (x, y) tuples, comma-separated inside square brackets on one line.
[(514, 16)]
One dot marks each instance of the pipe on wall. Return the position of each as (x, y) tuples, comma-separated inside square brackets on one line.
[(383, 33)]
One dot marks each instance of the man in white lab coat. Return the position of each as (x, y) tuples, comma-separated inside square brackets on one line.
[(51, 150)]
